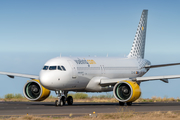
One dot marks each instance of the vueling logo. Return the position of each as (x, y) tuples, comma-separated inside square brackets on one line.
[(80, 61), (91, 61)]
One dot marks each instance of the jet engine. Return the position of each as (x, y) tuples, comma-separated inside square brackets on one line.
[(126, 91), (34, 91)]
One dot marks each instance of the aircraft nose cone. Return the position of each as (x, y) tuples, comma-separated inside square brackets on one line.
[(44, 80)]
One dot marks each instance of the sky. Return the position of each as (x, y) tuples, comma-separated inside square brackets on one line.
[(32, 32)]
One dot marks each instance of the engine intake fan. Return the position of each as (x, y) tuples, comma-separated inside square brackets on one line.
[(126, 91), (34, 91)]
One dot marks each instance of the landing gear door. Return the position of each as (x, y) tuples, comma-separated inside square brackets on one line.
[(73, 69)]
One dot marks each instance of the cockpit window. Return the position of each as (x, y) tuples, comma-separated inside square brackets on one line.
[(59, 68), (45, 67), (52, 68), (63, 68)]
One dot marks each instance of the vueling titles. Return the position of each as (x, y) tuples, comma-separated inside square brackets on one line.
[(80, 61)]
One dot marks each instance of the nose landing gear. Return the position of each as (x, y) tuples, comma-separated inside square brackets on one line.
[(59, 103), (62, 98)]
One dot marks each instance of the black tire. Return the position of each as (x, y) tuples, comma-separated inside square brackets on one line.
[(129, 103), (61, 103), (56, 103), (121, 103), (70, 100), (64, 100)]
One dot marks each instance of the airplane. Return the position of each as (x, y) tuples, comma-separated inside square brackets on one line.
[(92, 74)]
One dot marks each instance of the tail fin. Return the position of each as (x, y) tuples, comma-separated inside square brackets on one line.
[(138, 47)]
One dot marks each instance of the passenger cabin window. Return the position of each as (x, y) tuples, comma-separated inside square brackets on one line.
[(52, 68), (45, 67)]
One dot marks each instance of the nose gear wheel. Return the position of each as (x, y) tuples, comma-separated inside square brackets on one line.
[(62, 98)]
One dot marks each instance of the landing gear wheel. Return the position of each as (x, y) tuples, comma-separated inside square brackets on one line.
[(70, 100), (59, 103), (129, 103), (121, 103), (56, 103), (64, 100)]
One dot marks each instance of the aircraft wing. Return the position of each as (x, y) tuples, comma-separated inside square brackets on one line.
[(139, 79), (12, 75)]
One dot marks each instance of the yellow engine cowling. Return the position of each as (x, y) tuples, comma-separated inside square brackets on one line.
[(126, 91), (34, 91)]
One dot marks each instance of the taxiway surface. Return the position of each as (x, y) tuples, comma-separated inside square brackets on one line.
[(48, 108)]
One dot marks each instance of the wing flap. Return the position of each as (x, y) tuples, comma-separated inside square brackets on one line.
[(12, 75)]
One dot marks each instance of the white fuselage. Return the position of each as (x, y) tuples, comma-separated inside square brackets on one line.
[(74, 74)]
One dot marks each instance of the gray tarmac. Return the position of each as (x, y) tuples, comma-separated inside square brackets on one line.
[(48, 108)]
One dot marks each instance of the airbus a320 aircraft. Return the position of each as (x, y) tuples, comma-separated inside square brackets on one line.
[(120, 75)]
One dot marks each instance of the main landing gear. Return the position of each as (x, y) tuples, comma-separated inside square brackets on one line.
[(62, 98), (123, 103)]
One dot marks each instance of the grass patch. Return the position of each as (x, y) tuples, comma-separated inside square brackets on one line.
[(79, 95), (83, 97), (103, 96), (11, 96), (158, 99), (52, 96)]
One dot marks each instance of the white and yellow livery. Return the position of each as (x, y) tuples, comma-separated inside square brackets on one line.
[(120, 75)]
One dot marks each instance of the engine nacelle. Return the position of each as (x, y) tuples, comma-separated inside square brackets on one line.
[(126, 91), (34, 91)]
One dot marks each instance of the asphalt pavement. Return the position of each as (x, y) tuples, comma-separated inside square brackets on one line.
[(48, 108)]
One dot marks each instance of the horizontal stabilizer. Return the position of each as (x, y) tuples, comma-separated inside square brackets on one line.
[(161, 65)]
